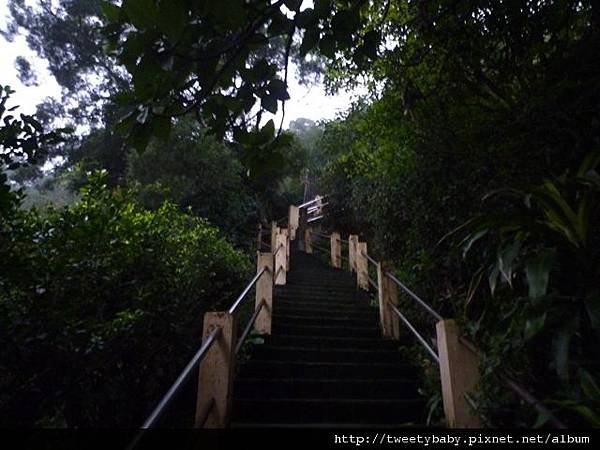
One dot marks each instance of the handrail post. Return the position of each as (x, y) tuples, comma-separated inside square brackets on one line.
[(264, 293), (286, 232), (308, 241), (302, 224), (336, 250), (362, 266), (215, 375), (352, 241), (274, 233), (387, 293), (280, 258), (293, 218), (459, 373)]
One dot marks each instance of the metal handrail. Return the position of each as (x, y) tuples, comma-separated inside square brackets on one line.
[(369, 258), (314, 208), (238, 301), (277, 251), (323, 249), (372, 282), (248, 327), (415, 297), (321, 235), (314, 219), (310, 202), (415, 332), (181, 379)]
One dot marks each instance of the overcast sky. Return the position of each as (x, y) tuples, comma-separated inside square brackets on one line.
[(309, 102)]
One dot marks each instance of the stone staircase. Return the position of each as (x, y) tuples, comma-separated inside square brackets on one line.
[(325, 364)]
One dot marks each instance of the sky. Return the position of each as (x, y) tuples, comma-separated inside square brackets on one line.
[(309, 102)]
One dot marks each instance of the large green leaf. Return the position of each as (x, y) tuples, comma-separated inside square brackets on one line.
[(538, 272), (143, 14)]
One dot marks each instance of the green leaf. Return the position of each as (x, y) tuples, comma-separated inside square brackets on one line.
[(306, 18), (534, 326), (292, 5), (560, 351), (538, 272), (592, 307), (143, 14), (278, 89), (162, 127), (172, 18), (309, 41), (269, 103), (267, 132), (471, 239), (327, 45), (506, 258), (110, 11), (588, 385)]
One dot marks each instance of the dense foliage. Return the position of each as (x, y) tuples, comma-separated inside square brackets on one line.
[(468, 101), (101, 305), (480, 96)]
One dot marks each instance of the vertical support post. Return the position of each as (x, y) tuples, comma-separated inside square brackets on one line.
[(308, 241), (280, 257), (362, 266), (274, 233), (286, 232), (264, 292), (215, 379), (387, 293), (302, 225), (352, 241), (459, 373), (336, 250), (293, 219)]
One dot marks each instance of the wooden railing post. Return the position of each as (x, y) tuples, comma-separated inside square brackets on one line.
[(293, 218), (387, 293), (280, 258), (459, 373), (362, 266), (274, 233), (264, 293), (308, 241), (215, 379), (336, 249), (352, 241)]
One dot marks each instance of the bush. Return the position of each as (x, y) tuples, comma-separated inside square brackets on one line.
[(101, 305)]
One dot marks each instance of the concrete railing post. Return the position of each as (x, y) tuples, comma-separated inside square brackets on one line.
[(264, 293), (362, 266), (387, 293), (336, 250), (274, 233), (352, 241), (308, 241), (215, 379), (280, 258), (293, 220), (459, 373)]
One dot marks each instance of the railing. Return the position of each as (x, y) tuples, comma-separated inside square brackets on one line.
[(457, 358), (216, 363)]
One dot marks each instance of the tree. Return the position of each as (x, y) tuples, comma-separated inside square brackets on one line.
[(223, 61)]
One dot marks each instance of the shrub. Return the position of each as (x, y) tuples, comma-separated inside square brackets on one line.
[(101, 305)]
